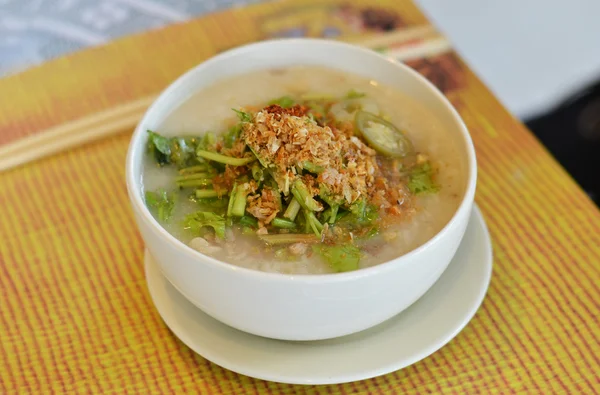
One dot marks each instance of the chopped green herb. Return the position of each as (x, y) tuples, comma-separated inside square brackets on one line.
[(257, 172), (238, 207), (304, 197), (276, 194), (232, 135), (193, 169), (374, 231), (315, 225), (228, 160), (318, 110), (160, 146), (284, 101), (341, 214), (206, 193), (161, 203), (283, 223), (231, 199), (341, 258), (421, 181), (217, 204), (210, 138), (177, 150), (352, 94), (193, 176), (370, 215), (328, 197), (333, 214), (200, 219), (358, 208), (200, 182), (264, 163), (303, 221), (248, 221), (292, 210), (246, 230), (244, 116), (360, 215), (182, 151), (311, 167)]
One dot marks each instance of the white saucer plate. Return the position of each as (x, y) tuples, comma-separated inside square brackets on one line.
[(414, 334)]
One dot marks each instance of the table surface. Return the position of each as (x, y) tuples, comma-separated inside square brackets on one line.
[(76, 315), (520, 67)]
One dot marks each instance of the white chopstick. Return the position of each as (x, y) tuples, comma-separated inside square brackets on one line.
[(71, 134), (396, 37)]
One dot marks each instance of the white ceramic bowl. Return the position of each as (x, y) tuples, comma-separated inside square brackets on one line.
[(300, 307)]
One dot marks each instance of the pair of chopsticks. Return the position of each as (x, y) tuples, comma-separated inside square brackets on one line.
[(404, 44), (74, 133)]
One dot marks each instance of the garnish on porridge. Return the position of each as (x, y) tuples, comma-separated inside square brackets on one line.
[(312, 175)]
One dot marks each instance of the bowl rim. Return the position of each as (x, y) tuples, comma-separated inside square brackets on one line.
[(138, 204)]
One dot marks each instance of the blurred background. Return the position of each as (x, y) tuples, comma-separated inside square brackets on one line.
[(544, 64)]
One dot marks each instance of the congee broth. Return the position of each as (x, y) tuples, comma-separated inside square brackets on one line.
[(302, 170)]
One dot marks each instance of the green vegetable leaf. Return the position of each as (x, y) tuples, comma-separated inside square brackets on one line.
[(284, 101), (328, 197), (371, 214), (183, 151), (247, 231), (288, 238), (249, 221), (341, 258), (177, 150), (283, 223), (257, 172), (244, 116), (318, 110), (227, 160), (232, 135), (200, 219), (311, 167), (358, 208), (209, 139), (371, 233), (161, 203), (160, 146), (304, 196), (341, 215), (264, 162), (352, 94), (215, 204), (364, 213), (421, 181), (159, 142)]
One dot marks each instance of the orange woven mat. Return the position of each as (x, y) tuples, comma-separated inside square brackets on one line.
[(75, 314)]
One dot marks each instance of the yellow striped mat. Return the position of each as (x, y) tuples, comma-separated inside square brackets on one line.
[(75, 315)]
